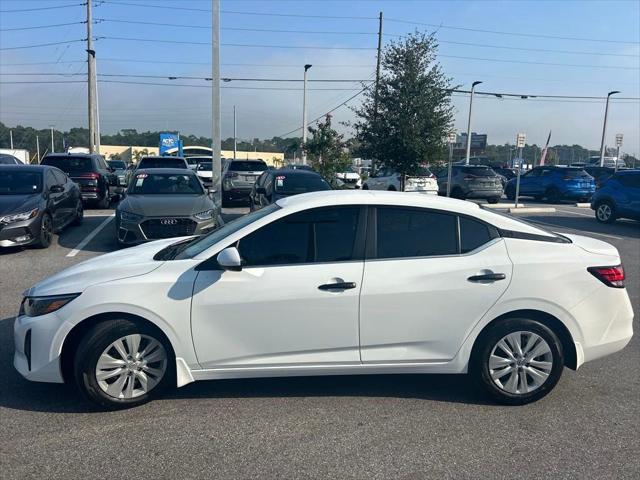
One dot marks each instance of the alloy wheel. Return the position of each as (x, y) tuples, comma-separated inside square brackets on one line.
[(47, 230), (520, 362), (131, 366), (604, 212)]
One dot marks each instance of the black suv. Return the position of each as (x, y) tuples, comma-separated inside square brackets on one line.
[(95, 178)]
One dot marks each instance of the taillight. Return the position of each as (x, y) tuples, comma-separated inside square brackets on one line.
[(610, 276), (91, 175)]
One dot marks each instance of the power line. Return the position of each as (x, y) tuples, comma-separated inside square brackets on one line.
[(43, 44), (517, 34), (40, 27), (539, 63), (183, 77), (146, 5), (43, 8)]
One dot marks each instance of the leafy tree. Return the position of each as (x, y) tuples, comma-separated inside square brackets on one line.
[(414, 112), (327, 151)]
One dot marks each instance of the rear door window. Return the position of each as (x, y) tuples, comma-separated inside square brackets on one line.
[(474, 234), (404, 233)]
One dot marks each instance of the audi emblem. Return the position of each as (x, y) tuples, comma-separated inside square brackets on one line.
[(169, 221)]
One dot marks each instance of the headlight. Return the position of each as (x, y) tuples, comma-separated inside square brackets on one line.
[(206, 215), (18, 217), (36, 306), (130, 217)]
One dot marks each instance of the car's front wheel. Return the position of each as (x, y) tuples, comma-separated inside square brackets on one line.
[(121, 364), (45, 234), (605, 212), (79, 215), (517, 361)]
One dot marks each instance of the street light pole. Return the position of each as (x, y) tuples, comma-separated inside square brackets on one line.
[(235, 141), (304, 115), (216, 170), (53, 148), (473, 86), (604, 126)]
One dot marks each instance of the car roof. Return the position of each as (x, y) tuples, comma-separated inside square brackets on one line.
[(70, 155), (160, 157), (28, 168), (328, 198), (294, 171)]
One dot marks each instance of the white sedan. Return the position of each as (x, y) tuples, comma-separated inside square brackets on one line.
[(331, 283)]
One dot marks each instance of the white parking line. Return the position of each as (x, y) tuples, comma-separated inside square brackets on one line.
[(89, 237), (559, 228), (577, 213)]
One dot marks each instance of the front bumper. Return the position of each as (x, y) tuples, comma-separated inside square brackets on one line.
[(236, 193), (20, 233), (35, 356), (132, 233)]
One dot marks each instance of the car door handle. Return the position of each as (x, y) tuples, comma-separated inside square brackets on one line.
[(487, 277), (338, 286)]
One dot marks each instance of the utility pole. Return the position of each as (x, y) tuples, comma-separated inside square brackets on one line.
[(91, 57), (53, 148), (38, 147), (235, 138), (604, 127), (375, 95), (216, 183), (304, 115), (11, 139), (466, 159)]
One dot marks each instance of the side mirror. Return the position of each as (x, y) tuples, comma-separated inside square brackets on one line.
[(229, 259), (56, 189), (261, 191)]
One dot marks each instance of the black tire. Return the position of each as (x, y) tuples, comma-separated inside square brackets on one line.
[(458, 193), (105, 201), (391, 188), (553, 195), (605, 212), (365, 187), (510, 192), (93, 344), (79, 217), (482, 351), (45, 234), (493, 200)]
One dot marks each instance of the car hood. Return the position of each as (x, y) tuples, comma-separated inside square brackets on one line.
[(165, 205), (18, 203), (126, 263), (592, 245)]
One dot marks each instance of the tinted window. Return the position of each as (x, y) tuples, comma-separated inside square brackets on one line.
[(60, 177), (117, 164), (319, 235), (574, 173), (165, 184), (479, 171), (293, 183), (247, 166), (162, 163), (50, 180), (7, 160), (629, 180), (415, 233), (204, 166), (69, 164), (474, 234), (15, 182)]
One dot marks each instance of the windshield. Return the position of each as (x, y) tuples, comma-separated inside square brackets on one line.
[(20, 183), (117, 164), (247, 166), (292, 184), (205, 166), (69, 164), (161, 163), (166, 184), (206, 241), (479, 171)]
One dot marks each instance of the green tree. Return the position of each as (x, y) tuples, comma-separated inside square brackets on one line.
[(414, 112), (327, 151)]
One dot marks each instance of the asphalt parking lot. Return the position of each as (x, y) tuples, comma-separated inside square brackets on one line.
[(402, 426)]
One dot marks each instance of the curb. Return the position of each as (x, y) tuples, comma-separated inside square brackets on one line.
[(501, 205), (583, 205), (532, 210)]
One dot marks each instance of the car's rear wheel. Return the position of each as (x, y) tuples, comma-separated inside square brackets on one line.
[(391, 188), (457, 193), (45, 234), (493, 200), (121, 364), (79, 216), (510, 192), (104, 202), (605, 212), (365, 187), (517, 361), (553, 195)]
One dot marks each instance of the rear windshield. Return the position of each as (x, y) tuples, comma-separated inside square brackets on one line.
[(165, 184), (69, 164), (479, 171), (205, 166), (574, 173), (422, 171), (117, 164), (162, 163), (20, 183), (247, 166), (292, 184)]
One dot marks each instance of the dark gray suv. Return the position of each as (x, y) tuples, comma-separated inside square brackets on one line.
[(471, 181)]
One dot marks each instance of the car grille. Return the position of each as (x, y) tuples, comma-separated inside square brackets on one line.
[(168, 227)]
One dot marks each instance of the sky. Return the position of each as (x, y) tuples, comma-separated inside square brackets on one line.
[(599, 52)]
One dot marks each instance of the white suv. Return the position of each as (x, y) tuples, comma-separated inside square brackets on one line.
[(387, 179)]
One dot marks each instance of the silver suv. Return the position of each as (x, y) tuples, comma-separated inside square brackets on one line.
[(471, 181)]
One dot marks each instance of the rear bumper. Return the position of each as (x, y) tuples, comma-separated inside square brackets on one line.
[(493, 193), (237, 193)]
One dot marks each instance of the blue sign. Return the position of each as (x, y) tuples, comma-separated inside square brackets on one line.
[(169, 141)]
